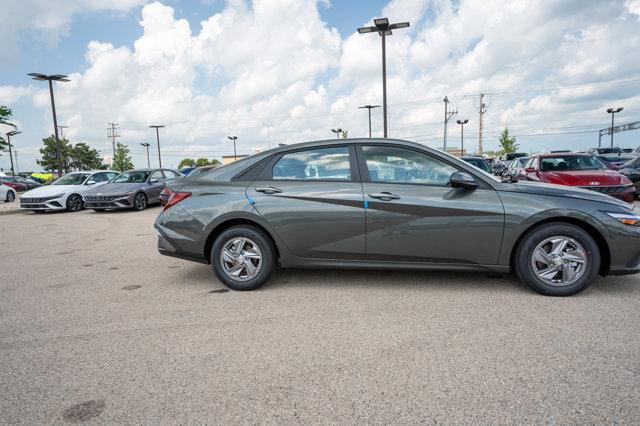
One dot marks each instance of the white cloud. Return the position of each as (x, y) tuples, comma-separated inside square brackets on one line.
[(276, 61)]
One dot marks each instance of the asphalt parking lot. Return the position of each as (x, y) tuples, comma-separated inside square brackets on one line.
[(95, 325)]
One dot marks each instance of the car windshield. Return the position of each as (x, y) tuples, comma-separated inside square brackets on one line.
[(523, 160), (479, 163), (71, 179), (570, 163), (133, 176), (615, 158), (609, 150), (634, 162)]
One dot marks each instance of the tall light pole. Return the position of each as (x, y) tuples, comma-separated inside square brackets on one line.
[(462, 123), (158, 126), (369, 107), (383, 28), (613, 112), (51, 79), (146, 145), (448, 115), (9, 134), (234, 139), (268, 134), (337, 132)]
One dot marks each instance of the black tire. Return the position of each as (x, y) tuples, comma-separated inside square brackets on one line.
[(11, 196), (254, 236), (525, 252), (98, 210), (74, 203), (140, 201)]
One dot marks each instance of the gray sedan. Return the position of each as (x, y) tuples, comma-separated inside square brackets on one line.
[(133, 189), (367, 203)]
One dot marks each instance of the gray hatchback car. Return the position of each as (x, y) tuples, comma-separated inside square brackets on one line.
[(368, 203), (133, 189)]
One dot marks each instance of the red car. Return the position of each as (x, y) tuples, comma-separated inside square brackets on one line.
[(13, 183), (582, 170)]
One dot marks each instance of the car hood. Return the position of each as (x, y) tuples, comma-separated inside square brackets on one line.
[(49, 190), (585, 178), (116, 188), (567, 192)]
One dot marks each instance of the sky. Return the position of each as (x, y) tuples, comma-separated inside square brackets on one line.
[(207, 69)]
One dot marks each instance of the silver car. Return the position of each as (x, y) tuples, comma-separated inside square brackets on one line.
[(133, 189)]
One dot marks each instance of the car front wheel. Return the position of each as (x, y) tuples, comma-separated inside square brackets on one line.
[(10, 197), (558, 259), (242, 258), (74, 203), (140, 201)]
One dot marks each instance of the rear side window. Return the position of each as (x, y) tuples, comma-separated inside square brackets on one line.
[(314, 164)]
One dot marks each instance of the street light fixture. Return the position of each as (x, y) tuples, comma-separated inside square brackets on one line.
[(613, 112), (369, 107), (9, 134), (146, 145), (51, 79), (462, 123), (234, 139), (158, 126), (383, 28), (337, 132)]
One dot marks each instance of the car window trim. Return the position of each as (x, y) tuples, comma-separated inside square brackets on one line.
[(366, 176), (267, 172)]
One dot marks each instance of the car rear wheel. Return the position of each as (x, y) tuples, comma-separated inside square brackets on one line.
[(10, 197), (558, 259), (140, 201), (74, 203), (242, 257)]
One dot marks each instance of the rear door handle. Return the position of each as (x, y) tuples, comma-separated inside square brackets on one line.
[(385, 196), (269, 190)]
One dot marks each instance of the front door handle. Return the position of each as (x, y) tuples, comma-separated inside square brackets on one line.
[(385, 196), (269, 190)]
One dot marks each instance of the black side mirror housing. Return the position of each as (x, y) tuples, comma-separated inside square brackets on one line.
[(463, 180)]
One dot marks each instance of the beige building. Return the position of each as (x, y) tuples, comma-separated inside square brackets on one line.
[(227, 159)]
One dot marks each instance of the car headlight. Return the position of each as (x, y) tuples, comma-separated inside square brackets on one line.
[(630, 218), (53, 197)]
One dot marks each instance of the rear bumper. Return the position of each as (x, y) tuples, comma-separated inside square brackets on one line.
[(166, 248)]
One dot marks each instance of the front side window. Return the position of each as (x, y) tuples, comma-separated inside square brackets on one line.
[(100, 177), (170, 174), (401, 165), (71, 179), (570, 162), (314, 164), (133, 176), (157, 175)]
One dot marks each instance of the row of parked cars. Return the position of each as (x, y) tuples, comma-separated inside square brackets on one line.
[(611, 171)]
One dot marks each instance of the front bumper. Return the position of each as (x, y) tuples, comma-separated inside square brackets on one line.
[(42, 203), (110, 202)]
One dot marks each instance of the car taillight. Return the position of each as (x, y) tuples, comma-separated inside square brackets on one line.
[(175, 198)]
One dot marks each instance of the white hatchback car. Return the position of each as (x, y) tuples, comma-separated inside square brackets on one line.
[(7, 194), (65, 193)]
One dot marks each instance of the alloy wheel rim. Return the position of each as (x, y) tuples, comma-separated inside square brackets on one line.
[(76, 202), (241, 259), (559, 261), (10, 196), (139, 201)]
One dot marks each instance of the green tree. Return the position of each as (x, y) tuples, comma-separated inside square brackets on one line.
[(201, 162), (48, 154), (122, 159), (508, 144), (5, 115), (83, 157), (186, 162)]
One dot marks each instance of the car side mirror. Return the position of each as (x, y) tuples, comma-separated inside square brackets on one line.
[(530, 170), (91, 182), (154, 180), (462, 180)]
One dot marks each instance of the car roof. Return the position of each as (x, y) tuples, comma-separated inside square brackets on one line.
[(349, 141), (563, 154)]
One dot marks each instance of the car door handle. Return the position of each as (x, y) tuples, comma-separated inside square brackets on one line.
[(269, 190), (385, 196)]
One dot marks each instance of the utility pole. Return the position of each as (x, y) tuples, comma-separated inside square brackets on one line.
[(613, 112), (369, 107), (158, 126), (482, 107), (17, 168), (146, 145), (448, 115), (112, 133), (268, 134), (9, 134), (61, 131)]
